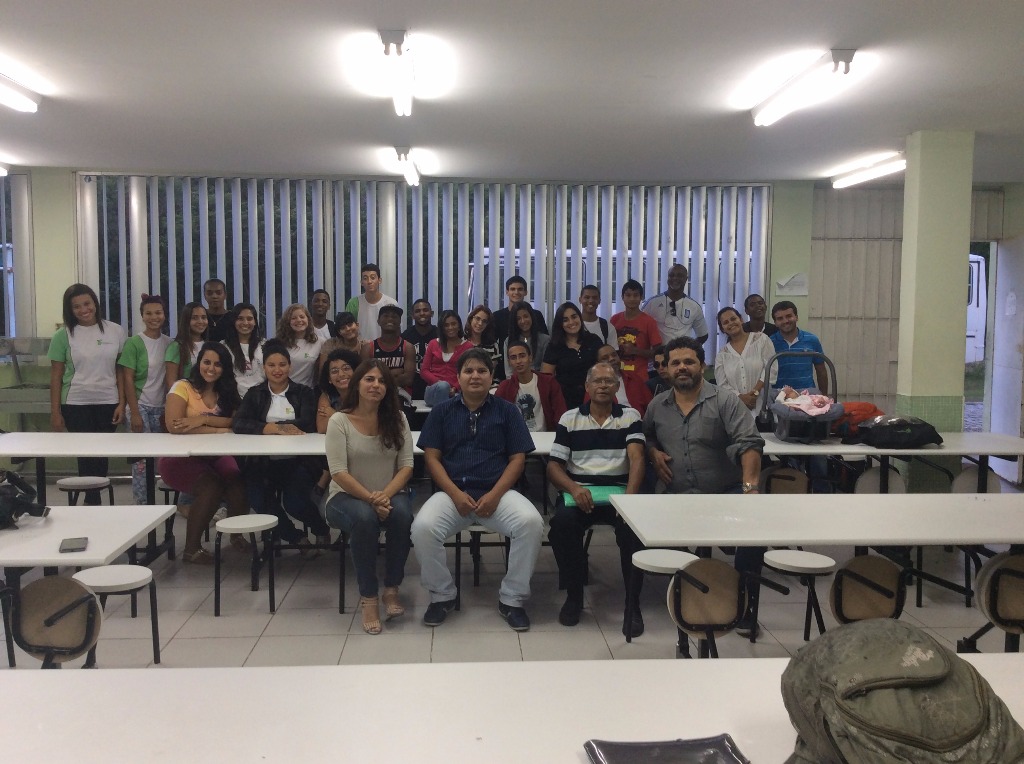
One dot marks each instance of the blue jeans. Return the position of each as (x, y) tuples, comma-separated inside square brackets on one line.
[(515, 518), (359, 520), (150, 423), (436, 393)]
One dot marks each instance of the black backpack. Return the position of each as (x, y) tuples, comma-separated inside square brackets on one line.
[(882, 691)]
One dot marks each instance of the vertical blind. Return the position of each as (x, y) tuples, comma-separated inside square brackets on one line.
[(7, 316), (274, 241)]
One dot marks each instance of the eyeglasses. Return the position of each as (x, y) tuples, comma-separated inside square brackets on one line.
[(604, 382), (474, 417)]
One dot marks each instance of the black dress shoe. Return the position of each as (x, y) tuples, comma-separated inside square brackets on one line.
[(569, 615), (636, 626), (516, 617)]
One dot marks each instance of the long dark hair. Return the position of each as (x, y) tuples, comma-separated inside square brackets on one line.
[(77, 290), (557, 331), (513, 327), (489, 335), (231, 335), (352, 359), (442, 338), (225, 387), (389, 414), (183, 339)]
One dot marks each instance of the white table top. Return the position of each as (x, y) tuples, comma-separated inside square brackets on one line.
[(111, 530), (953, 444), (450, 712), (787, 519), (48, 444)]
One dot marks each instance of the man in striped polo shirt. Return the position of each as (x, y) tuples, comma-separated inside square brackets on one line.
[(601, 443)]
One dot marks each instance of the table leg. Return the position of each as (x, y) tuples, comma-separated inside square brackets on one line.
[(41, 480)]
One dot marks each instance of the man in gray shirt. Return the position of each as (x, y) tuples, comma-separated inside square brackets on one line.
[(702, 439)]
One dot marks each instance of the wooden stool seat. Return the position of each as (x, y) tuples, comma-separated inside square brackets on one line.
[(106, 580), (663, 562)]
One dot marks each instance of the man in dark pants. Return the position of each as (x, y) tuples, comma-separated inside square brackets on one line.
[(702, 439), (599, 443)]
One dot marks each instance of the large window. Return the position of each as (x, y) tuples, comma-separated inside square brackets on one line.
[(8, 327), (274, 241)]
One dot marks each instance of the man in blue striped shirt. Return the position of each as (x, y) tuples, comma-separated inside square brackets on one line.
[(601, 443), (475, 446)]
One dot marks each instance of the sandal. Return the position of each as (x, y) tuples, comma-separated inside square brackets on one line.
[(198, 557), (393, 606), (240, 543), (371, 614)]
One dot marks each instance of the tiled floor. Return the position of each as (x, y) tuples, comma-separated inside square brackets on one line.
[(307, 629)]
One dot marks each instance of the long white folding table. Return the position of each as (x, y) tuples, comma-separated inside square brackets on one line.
[(668, 520), (227, 714), (111, 532)]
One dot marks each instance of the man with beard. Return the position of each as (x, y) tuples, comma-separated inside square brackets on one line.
[(702, 439)]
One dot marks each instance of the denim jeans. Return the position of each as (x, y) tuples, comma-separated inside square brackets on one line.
[(150, 423), (515, 518), (436, 393), (359, 520)]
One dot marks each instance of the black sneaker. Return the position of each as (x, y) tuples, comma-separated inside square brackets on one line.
[(515, 616), (437, 612), (569, 615), (637, 627)]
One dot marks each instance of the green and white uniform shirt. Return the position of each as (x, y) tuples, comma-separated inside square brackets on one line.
[(90, 363), (145, 356)]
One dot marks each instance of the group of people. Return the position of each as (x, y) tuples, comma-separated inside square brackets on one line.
[(587, 380)]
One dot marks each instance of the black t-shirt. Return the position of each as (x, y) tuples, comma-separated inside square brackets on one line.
[(768, 331), (571, 366), (217, 331), (419, 341)]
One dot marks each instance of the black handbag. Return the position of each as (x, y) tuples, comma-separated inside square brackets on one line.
[(896, 431)]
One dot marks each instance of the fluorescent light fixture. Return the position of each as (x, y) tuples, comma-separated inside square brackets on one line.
[(400, 73), (859, 163), (888, 166), (407, 165), (15, 96), (828, 75), (3, 170)]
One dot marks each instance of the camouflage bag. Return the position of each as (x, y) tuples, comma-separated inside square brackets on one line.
[(881, 691)]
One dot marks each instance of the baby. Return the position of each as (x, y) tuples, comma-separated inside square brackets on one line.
[(811, 403)]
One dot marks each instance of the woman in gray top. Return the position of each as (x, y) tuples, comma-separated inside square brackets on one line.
[(369, 455)]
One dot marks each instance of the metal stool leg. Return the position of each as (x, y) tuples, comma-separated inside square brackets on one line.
[(155, 621), (342, 543), (216, 574), (631, 598), (268, 541)]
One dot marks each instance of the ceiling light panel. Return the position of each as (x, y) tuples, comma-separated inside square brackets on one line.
[(15, 96)]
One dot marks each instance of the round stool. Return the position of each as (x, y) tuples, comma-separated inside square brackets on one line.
[(122, 579), (662, 562), (75, 486), (56, 619), (167, 491), (806, 566), (967, 481), (251, 524)]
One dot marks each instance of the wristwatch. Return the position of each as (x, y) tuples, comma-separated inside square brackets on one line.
[(748, 487)]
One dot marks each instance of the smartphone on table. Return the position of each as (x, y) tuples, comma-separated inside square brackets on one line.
[(74, 544)]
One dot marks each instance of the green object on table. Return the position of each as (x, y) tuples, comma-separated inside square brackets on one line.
[(602, 494)]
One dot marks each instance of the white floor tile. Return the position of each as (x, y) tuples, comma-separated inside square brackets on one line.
[(565, 645), (296, 651), (388, 647), (458, 647), (308, 623), (210, 652), (227, 625)]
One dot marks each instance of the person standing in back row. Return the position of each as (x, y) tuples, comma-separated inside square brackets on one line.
[(515, 291), (590, 301), (216, 293), (366, 306), (420, 334), (676, 314), (86, 390), (798, 373)]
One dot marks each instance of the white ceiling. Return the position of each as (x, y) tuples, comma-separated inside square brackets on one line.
[(574, 90)]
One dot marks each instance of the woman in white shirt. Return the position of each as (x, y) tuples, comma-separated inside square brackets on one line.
[(295, 331), (243, 340), (145, 384), (86, 392), (739, 365), (369, 453)]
